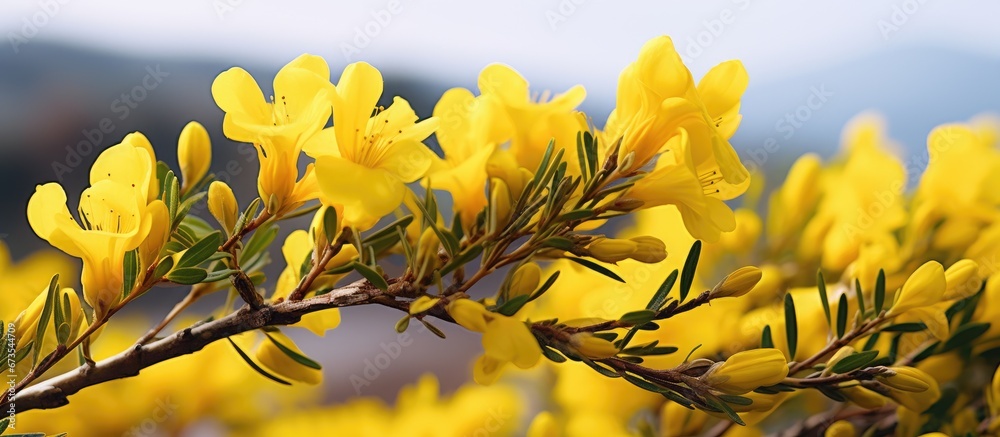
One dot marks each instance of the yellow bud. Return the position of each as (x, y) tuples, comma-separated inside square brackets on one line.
[(840, 428), (748, 370), (592, 347), (543, 425), (677, 420), (962, 279), (611, 250), (863, 397), (924, 287), (649, 250), (272, 357), (737, 283), (422, 303), (222, 204), (470, 314), (427, 252), (907, 379), (525, 280), (194, 154), (500, 204)]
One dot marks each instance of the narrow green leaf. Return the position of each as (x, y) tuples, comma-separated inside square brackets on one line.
[(201, 250), (871, 342), (372, 276), (690, 264), (823, 298), (638, 317), (791, 325), (905, 327), (579, 214), (43, 319), (842, 316), (187, 275), (297, 357), (130, 271), (597, 268), (330, 223), (964, 336), (247, 215), (688, 357), (390, 229), (462, 259), (561, 243), (725, 408), (736, 400), (660, 297), (254, 365), (545, 286), (402, 324), (163, 267), (219, 275), (859, 295), (434, 329), (512, 306), (765, 338), (553, 355), (259, 242), (879, 291), (854, 361)]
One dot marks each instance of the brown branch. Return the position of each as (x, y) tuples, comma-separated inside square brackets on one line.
[(54, 392)]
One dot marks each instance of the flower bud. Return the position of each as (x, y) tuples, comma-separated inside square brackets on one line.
[(500, 204), (470, 314), (863, 397), (525, 280), (591, 346), (222, 204), (923, 288), (737, 283), (26, 323), (906, 379), (649, 250), (422, 303), (841, 353), (611, 250), (748, 370), (916, 401), (194, 154), (962, 280), (840, 428), (427, 252)]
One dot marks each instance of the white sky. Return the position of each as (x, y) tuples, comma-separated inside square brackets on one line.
[(589, 42)]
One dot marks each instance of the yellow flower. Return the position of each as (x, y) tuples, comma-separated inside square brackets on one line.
[(962, 280), (115, 218), (657, 98), (272, 357), (543, 425), (675, 181), (423, 303), (676, 420), (297, 249), (194, 154), (470, 130), (278, 128), (525, 280), (840, 428), (865, 398), (748, 370), (385, 150), (505, 339), (536, 119), (223, 206), (925, 287)]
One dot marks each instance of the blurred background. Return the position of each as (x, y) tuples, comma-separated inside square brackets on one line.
[(76, 77)]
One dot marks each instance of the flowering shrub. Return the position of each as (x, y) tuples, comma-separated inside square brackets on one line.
[(843, 304)]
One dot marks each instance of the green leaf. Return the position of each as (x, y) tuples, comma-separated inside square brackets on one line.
[(297, 357), (187, 275), (638, 317), (254, 365), (823, 298), (434, 329), (552, 355), (791, 325), (859, 295), (185, 206), (4, 423), (259, 242), (871, 342), (43, 319), (403, 323), (964, 336), (545, 286), (163, 267), (462, 259), (854, 361), (660, 297), (579, 214), (201, 250), (512, 306), (879, 291), (561, 243), (725, 408), (389, 230), (330, 223), (736, 400), (246, 216), (690, 264), (371, 275), (905, 327), (130, 271), (219, 275), (597, 268), (842, 316), (765, 338)]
